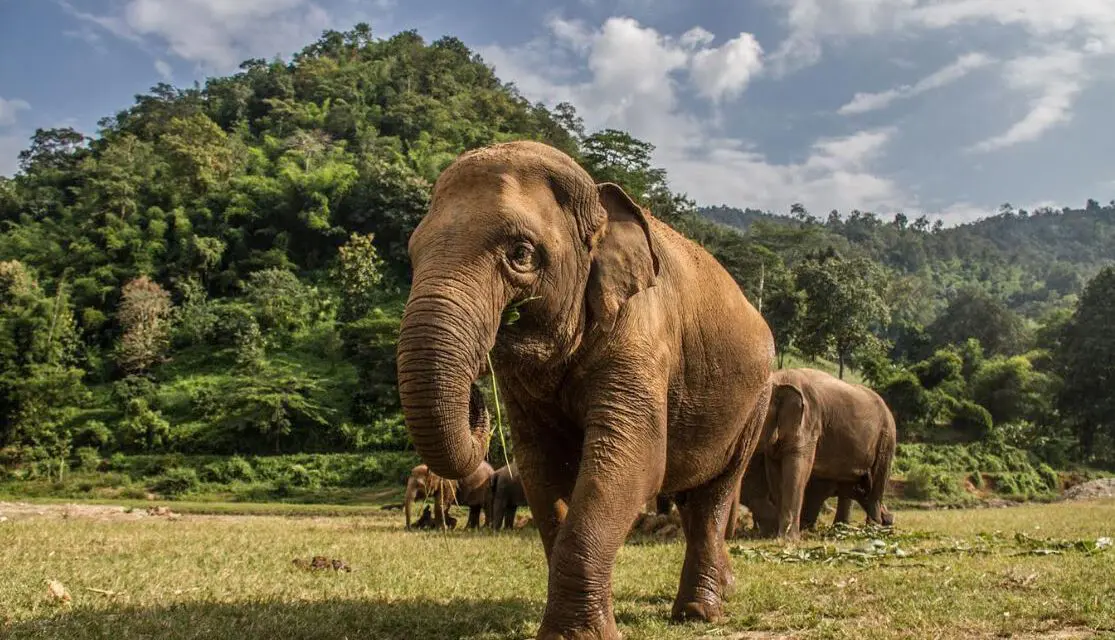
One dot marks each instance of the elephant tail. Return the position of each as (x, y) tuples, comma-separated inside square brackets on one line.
[(880, 472)]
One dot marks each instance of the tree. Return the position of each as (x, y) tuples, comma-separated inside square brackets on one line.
[(617, 156), (41, 388), (144, 314), (360, 272), (1087, 361), (784, 308), (845, 305), (975, 314), (1012, 391), (282, 303)]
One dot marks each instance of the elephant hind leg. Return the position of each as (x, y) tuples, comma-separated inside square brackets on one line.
[(706, 575), (474, 516)]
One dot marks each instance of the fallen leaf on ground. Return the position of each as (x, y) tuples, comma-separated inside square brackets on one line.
[(56, 591), (321, 562)]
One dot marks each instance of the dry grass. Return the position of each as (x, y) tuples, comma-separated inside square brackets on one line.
[(219, 576)]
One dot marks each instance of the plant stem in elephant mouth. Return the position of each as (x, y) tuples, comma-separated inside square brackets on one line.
[(499, 410)]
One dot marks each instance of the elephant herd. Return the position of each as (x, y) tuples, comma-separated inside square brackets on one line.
[(496, 494), (631, 365), (822, 437)]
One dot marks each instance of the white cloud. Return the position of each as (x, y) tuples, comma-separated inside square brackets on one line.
[(629, 76), (835, 174), (9, 111), (813, 21), (724, 72), (1055, 79), (217, 34), (10, 146), (1082, 28), (962, 66), (165, 70)]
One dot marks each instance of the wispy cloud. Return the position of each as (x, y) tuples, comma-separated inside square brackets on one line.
[(9, 111), (164, 69), (1056, 78), (962, 66)]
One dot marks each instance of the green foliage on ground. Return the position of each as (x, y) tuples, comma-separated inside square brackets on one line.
[(1027, 571)]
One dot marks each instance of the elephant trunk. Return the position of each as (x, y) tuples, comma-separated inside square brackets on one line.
[(445, 336)]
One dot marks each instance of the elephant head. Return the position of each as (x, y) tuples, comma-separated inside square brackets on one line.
[(517, 223), (787, 414)]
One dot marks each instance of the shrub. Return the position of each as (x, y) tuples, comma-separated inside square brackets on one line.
[(176, 482), (924, 482), (300, 476), (88, 459), (972, 420)]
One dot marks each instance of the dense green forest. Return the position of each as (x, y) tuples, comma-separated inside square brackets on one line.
[(221, 270)]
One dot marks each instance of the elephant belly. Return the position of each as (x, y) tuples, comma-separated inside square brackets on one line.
[(705, 434)]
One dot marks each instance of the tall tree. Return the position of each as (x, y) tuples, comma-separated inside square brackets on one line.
[(144, 314), (846, 305), (975, 314), (1087, 357)]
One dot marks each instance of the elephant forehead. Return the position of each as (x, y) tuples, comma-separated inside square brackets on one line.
[(499, 203)]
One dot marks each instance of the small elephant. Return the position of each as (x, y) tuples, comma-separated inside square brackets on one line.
[(822, 437), (473, 491), (507, 497), (614, 339)]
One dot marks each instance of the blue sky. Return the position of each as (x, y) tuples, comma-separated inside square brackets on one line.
[(945, 107)]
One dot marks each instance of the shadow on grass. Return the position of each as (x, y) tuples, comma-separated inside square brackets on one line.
[(457, 619)]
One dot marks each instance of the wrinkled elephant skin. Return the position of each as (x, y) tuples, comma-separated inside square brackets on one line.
[(635, 366)]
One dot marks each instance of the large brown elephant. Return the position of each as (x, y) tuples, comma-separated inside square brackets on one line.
[(635, 365), (822, 437)]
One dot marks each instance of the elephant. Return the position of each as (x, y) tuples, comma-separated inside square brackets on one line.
[(507, 496), (473, 491), (821, 437), (613, 339)]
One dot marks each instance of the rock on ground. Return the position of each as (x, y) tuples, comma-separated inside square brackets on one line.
[(1102, 488)]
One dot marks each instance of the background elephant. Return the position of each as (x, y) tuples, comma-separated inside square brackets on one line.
[(472, 491), (615, 372), (507, 496), (822, 437)]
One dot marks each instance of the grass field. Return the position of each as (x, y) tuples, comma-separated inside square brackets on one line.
[(941, 574)]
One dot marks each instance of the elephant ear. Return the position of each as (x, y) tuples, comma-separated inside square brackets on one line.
[(624, 260)]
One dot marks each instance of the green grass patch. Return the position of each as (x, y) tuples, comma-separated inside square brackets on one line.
[(1031, 571)]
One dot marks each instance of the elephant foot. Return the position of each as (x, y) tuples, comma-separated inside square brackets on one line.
[(727, 581), (697, 612), (608, 632)]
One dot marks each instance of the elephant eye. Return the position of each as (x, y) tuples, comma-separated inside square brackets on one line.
[(521, 257)]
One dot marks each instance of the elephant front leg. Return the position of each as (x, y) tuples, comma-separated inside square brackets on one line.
[(789, 475), (614, 482), (843, 510)]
